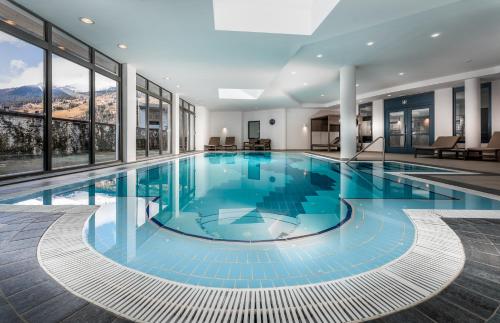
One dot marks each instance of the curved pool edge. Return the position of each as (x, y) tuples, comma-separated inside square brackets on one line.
[(433, 261)]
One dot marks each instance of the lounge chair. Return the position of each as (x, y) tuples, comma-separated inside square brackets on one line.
[(250, 144), (230, 144), (441, 144), (263, 144), (213, 143), (334, 144), (493, 148)]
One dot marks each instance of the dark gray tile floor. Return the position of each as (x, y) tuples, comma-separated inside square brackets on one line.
[(475, 295), (28, 294)]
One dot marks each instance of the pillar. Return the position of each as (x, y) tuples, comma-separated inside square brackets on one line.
[(348, 128), (175, 123), (129, 113), (472, 113)]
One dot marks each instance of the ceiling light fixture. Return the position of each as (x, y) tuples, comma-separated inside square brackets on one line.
[(87, 20), (305, 83), (166, 78), (389, 95), (322, 95), (370, 43), (319, 55), (435, 35), (178, 86), (122, 46), (293, 73), (401, 73), (357, 84)]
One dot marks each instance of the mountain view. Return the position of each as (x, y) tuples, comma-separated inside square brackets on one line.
[(67, 103)]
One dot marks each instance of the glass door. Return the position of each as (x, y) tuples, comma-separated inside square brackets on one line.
[(420, 129), (397, 130), (407, 128)]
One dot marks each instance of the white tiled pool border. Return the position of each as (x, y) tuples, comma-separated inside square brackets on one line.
[(434, 260)]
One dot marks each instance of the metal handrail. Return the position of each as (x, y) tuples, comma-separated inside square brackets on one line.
[(369, 145)]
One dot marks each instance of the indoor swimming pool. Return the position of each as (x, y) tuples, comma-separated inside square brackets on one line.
[(256, 219)]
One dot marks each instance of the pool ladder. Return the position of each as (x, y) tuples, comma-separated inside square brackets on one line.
[(369, 145)]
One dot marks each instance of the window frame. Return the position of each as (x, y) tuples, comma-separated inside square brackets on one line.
[(162, 99), (49, 48), (190, 111), (490, 109)]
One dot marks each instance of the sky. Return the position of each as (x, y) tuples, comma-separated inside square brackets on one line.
[(22, 64)]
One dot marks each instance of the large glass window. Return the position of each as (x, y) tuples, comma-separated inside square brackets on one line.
[(165, 126), (70, 113), (140, 146), (187, 126), (459, 112), (485, 112), (154, 117), (106, 119), (365, 123), (14, 16), (50, 84), (21, 106)]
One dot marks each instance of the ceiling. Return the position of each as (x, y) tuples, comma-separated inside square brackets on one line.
[(178, 39)]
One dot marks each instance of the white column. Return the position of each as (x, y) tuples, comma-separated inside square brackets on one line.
[(472, 113), (129, 113), (175, 123), (348, 129)]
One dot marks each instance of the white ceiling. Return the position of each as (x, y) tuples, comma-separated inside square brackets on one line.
[(178, 39)]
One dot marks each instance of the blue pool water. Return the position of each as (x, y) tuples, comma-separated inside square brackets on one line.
[(252, 220)]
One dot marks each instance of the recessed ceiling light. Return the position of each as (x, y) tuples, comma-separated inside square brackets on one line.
[(370, 43), (10, 22), (166, 78), (389, 95), (357, 84), (122, 46), (401, 73), (435, 35), (86, 20), (322, 95), (319, 55), (293, 73), (305, 83), (178, 86)]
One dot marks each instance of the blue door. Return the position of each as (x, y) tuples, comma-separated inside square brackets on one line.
[(409, 123)]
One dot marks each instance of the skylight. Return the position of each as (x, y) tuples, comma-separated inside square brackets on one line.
[(296, 17), (240, 94)]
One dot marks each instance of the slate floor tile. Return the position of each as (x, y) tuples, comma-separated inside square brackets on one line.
[(476, 303), (91, 313), (441, 311), (36, 295), (56, 309), (21, 282)]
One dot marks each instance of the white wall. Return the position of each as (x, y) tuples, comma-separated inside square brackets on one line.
[(276, 132), (377, 124), (202, 127), (230, 120), (443, 112), (495, 105), (298, 136)]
